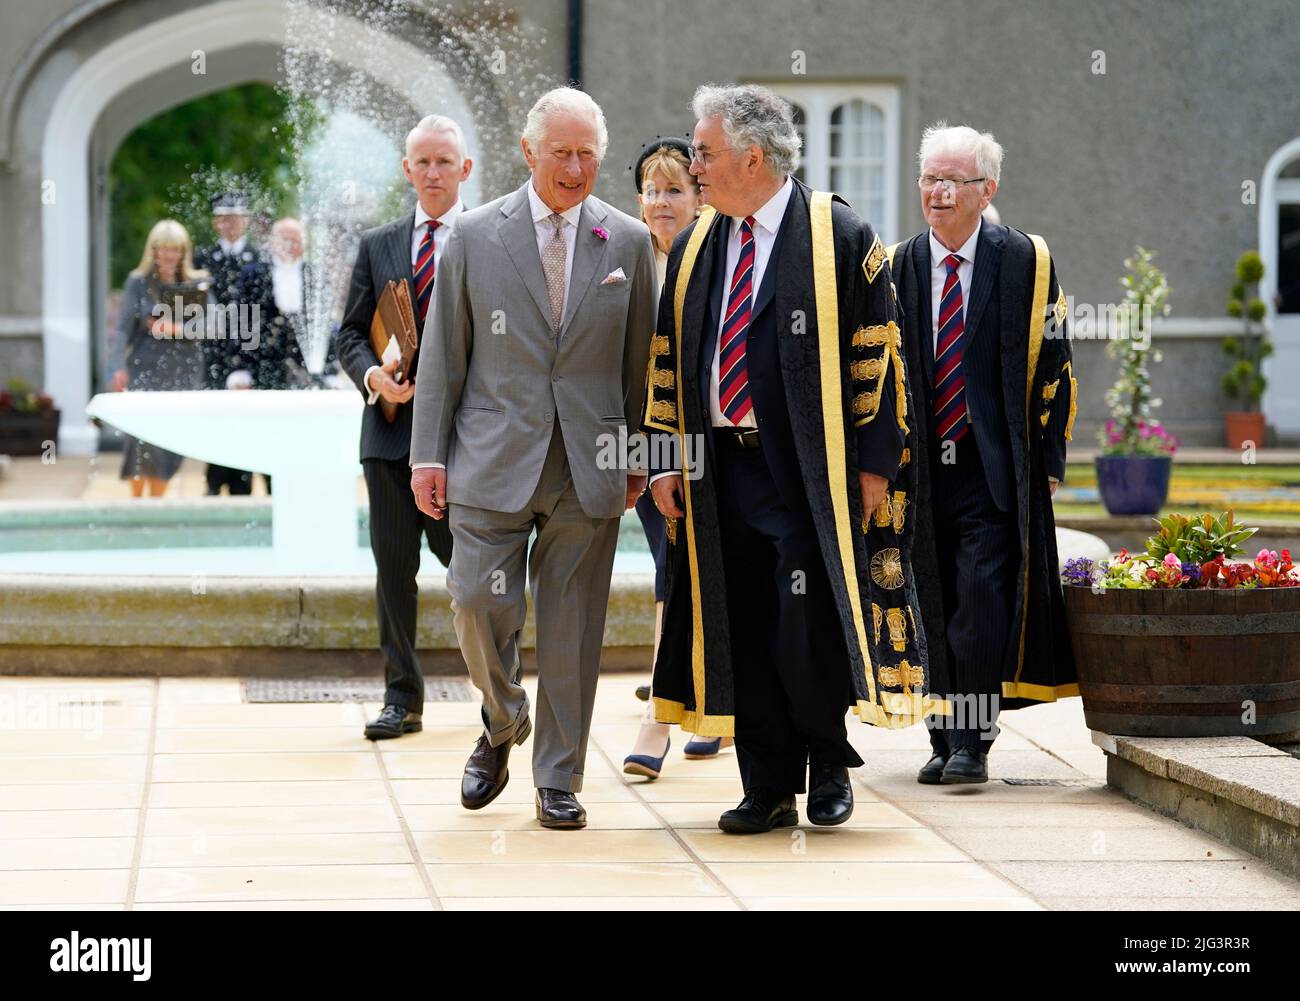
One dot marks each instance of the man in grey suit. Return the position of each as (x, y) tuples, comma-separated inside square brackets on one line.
[(540, 333)]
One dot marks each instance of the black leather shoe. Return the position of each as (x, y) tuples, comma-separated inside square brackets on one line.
[(965, 767), (830, 797), (759, 812), (932, 771), (559, 810), (393, 721), (487, 770)]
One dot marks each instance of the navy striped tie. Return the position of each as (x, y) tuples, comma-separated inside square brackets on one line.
[(423, 271), (949, 381)]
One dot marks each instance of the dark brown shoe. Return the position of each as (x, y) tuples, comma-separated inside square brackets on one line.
[(488, 769)]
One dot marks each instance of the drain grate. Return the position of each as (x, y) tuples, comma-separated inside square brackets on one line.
[(346, 690), (89, 703), (1048, 782)]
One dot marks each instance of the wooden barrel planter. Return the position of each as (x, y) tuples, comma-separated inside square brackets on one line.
[(1187, 663)]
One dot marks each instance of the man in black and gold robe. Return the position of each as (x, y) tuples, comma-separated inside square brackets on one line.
[(777, 375), (989, 351)]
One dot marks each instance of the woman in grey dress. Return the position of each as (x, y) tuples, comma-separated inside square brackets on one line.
[(157, 354)]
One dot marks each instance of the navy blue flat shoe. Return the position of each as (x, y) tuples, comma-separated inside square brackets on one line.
[(643, 764), (705, 747)]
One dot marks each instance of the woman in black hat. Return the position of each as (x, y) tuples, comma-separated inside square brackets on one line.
[(670, 201)]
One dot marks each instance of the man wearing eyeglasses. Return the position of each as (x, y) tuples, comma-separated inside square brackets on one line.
[(790, 592), (987, 340)]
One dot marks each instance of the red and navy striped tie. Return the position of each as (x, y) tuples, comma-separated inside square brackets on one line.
[(424, 271), (733, 374), (949, 382)]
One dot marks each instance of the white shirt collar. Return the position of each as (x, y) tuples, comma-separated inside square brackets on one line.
[(966, 251), (541, 211), (446, 219), (234, 248), (773, 211)]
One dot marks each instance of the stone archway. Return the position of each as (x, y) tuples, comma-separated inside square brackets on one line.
[(1279, 190), (77, 116)]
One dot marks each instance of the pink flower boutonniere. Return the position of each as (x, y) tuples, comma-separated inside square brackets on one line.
[(601, 232)]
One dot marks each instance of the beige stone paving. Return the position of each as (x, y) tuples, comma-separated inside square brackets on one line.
[(173, 794)]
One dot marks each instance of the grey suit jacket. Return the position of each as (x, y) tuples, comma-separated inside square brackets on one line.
[(505, 377)]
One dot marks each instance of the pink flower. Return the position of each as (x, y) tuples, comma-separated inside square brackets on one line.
[(1173, 561), (601, 232)]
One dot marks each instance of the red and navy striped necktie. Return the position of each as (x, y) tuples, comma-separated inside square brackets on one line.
[(949, 381), (733, 373), (423, 270)]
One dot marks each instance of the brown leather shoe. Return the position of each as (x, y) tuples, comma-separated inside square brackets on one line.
[(487, 771)]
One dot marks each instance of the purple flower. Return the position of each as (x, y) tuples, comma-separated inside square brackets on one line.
[(1078, 571), (601, 232), (1193, 572)]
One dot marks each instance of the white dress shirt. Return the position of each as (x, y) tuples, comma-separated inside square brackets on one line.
[(939, 275), (445, 222), (767, 221), (233, 249), (286, 284)]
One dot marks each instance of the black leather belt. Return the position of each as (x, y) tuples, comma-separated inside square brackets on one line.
[(737, 437)]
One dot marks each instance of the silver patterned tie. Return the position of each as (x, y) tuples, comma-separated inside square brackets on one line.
[(553, 259)]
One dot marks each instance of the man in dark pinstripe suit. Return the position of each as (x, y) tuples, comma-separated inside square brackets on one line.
[(406, 249)]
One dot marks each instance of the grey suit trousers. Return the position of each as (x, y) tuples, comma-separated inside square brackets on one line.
[(569, 570)]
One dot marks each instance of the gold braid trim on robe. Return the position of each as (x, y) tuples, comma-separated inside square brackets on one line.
[(1068, 370), (666, 710), (1037, 320), (894, 710)]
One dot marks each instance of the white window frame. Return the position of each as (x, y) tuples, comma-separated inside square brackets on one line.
[(817, 101)]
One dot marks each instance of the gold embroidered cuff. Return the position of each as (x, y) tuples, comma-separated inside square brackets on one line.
[(874, 337), (662, 410)]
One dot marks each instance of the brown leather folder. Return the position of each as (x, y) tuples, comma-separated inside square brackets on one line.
[(394, 317)]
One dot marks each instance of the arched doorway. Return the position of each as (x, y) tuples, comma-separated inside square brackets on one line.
[(87, 117), (1279, 246)]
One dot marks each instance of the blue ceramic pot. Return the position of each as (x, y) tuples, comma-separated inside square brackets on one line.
[(1133, 484)]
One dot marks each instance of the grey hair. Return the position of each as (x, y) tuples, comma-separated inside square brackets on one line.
[(438, 123), (962, 140), (753, 116), (565, 99)]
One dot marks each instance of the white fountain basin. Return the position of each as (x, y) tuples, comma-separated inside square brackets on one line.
[(306, 441)]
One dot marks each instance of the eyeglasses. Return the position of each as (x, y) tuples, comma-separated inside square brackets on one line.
[(705, 156), (928, 182)]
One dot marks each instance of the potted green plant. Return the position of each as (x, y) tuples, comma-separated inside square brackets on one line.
[(1244, 382), (1185, 641), (1133, 466), (27, 419)]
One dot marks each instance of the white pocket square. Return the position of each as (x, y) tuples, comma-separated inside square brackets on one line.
[(614, 277)]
